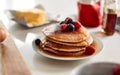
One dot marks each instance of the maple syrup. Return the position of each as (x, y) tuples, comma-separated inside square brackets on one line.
[(109, 17), (94, 44)]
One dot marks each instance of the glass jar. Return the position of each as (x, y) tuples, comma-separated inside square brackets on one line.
[(89, 12), (109, 17)]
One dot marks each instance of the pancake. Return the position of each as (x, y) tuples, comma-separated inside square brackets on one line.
[(68, 53), (75, 36), (60, 53), (85, 42), (60, 47), (68, 43)]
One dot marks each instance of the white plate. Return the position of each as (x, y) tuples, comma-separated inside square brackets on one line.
[(100, 44)]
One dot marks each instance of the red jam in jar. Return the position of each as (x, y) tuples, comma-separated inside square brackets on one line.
[(89, 14)]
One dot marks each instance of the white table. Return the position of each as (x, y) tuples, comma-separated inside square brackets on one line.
[(40, 65)]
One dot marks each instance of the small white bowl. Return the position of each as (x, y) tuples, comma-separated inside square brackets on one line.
[(97, 68)]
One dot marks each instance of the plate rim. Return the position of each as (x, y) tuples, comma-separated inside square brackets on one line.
[(36, 49)]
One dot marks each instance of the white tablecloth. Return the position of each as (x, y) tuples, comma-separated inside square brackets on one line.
[(40, 65)]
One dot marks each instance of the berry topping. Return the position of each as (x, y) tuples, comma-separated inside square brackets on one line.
[(63, 27), (63, 22), (37, 41), (77, 25), (68, 20), (89, 50), (116, 70), (71, 27)]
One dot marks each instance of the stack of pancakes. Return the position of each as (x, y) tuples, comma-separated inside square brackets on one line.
[(65, 43)]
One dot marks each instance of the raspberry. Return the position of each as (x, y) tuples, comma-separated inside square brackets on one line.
[(116, 70), (89, 50), (66, 19), (77, 25), (63, 27)]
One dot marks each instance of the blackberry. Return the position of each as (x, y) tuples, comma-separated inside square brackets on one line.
[(70, 27), (69, 20), (37, 41)]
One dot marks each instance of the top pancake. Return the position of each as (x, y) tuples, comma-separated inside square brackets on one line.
[(85, 42), (54, 33)]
